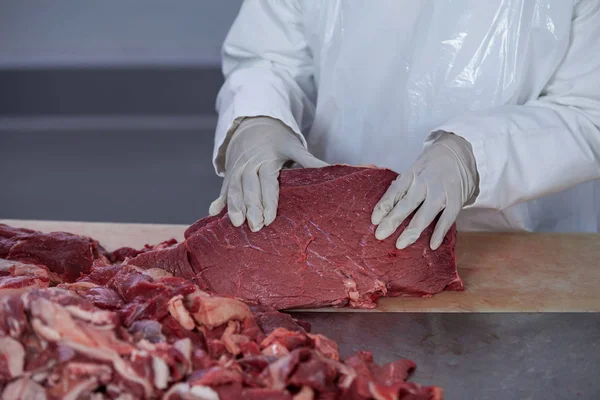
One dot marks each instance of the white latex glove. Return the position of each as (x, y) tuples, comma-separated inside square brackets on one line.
[(444, 178), (259, 148)]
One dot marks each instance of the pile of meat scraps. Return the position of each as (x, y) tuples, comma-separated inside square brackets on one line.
[(320, 251), (77, 322)]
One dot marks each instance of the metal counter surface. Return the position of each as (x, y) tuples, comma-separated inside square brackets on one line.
[(480, 355)]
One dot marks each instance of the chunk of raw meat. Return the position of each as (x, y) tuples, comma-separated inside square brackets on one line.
[(122, 253), (17, 276), (134, 293), (67, 255), (9, 236), (320, 251)]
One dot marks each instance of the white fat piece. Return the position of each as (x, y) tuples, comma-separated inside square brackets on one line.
[(184, 346), (180, 313), (24, 389), (14, 353), (82, 388), (95, 317), (203, 393), (161, 373)]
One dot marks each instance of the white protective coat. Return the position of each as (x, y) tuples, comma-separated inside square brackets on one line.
[(371, 82)]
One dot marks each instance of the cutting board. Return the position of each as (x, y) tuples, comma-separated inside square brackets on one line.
[(503, 272)]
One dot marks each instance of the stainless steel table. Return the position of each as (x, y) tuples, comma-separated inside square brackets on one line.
[(480, 355)]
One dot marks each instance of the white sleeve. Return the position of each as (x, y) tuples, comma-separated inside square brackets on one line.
[(548, 145), (268, 71)]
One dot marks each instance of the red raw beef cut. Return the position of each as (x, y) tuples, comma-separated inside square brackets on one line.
[(320, 250), (18, 276), (120, 254), (63, 253)]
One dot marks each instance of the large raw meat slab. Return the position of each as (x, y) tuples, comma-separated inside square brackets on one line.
[(320, 250), (65, 254)]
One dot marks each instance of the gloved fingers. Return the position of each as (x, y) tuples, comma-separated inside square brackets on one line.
[(235, 198), (406, 206), (444, 224), (253, 199), (307, 160), (219, 204), (424, 216), (394, 193), (268, 174)]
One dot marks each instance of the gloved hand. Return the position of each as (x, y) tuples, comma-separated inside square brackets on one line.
[(444, 178), (259, 148)]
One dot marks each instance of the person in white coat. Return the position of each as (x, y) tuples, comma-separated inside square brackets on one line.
[(489, 107)]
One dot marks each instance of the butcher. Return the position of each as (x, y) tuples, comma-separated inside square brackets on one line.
[(490, 110)]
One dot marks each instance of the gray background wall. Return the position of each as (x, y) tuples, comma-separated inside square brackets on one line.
[(113, 32), (107, 108)]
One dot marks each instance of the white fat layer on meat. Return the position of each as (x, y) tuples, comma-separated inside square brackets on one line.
[(161, 373), (14, 353), (95, 317), (125, 396), (203, 393), (106, 354), (277, 380), (184, 346), (306, 393), (85, 368), (39, 376), (180, 313), (44, 331), (24, 389), (179, 388), (191, 393), (153, 273), (21, 269), (221, 309), (146, 345), (82, 388), (81, 286), (14, 327), (60, 316), (6, 264), (276, 350)]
